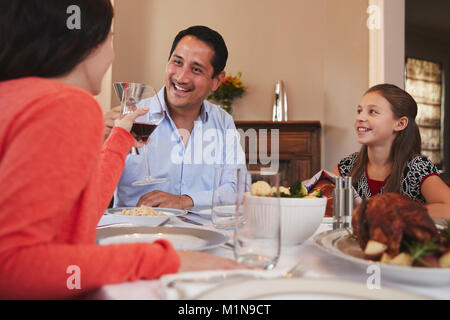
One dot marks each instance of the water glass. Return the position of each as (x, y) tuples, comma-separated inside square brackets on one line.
[(257, 231), (223, 207)]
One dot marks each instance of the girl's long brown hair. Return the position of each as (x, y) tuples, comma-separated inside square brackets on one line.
[(407, 143)]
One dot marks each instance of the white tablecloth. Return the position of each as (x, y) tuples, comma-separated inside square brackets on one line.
[(318, 264)]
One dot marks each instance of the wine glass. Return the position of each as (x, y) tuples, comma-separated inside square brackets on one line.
[(134, 96)]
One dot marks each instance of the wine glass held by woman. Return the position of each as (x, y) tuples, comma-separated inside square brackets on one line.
[(56, 175), (136, 96)]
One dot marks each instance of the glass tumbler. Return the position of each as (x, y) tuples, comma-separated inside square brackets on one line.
[(257, 230)]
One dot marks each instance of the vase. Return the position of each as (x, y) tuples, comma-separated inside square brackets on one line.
[(279, 103)]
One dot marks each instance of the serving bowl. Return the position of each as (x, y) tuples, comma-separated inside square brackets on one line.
[(300, 217)]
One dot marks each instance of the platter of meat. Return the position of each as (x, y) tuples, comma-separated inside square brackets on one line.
[(397, 234)]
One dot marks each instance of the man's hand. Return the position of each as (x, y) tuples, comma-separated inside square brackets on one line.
[(110, 116), (198, 261), (165, 200)]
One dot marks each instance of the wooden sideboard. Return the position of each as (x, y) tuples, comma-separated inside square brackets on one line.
[(299, 147)]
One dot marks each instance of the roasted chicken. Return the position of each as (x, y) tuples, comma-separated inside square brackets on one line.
[(387, 218)]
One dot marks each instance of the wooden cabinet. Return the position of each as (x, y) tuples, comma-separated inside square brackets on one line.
[(298, 144)]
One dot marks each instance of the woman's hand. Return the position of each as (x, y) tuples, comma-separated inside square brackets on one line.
[(199, 261), (126, 122), (110, 116)]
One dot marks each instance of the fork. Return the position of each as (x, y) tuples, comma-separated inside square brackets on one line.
[(294, 272), (164, 222), (297, 271)]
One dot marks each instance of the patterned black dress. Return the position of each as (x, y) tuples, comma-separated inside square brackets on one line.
[(416, 171)]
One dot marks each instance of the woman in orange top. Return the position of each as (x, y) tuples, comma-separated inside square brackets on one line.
[(56, 178)]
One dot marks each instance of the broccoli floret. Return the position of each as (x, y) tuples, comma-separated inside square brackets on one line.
[(298, 190)]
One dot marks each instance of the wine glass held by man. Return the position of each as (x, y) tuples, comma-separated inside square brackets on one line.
[(56, 175), (390, 159)]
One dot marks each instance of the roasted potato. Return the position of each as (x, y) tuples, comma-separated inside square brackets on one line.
[(444, 261), (402, 259), (374, 250)]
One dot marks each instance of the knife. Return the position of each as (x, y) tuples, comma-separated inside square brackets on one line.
[(189, 221)]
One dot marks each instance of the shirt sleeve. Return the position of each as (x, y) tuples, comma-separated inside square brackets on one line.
[(112, 162), (345, 166), (201, 198), (416, 172), (47, 167), (61, 271)]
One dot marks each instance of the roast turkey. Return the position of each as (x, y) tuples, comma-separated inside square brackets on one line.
[(389, 217)]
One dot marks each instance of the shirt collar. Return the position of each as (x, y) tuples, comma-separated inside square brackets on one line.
[(204, 113)]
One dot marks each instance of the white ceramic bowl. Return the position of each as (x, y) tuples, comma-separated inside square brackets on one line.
[(300, 217)]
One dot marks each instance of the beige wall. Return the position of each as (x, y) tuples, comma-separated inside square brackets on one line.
[(346, 76), (318, 47), (104, 97)]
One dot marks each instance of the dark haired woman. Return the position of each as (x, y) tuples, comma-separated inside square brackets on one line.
[(56, 178), (390, 159)]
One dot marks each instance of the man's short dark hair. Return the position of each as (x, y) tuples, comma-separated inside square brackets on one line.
[(36, 41), (212, 38)]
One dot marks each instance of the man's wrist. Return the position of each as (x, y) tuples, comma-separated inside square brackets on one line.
[(186, 201)]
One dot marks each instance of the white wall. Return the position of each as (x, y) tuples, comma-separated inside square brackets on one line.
[(387, 43), (104, 98)]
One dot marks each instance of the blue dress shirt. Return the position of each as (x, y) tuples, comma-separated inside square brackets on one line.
[(189, 170)]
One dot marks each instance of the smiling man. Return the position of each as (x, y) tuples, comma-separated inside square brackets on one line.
[(195, 136)]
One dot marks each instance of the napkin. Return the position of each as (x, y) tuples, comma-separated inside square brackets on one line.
[(324, 174), (110, 219), (189, 285)]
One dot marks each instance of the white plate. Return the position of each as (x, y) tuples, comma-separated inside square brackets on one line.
[(207, 212), (181, 238), (166, 211), (328, 220), (340, 244), (303, 289), (114, 215)]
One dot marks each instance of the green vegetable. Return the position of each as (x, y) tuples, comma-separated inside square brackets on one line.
[(446, 231), (418, 250), (298, 190)]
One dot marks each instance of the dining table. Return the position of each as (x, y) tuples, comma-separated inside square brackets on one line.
[(314, 264)]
